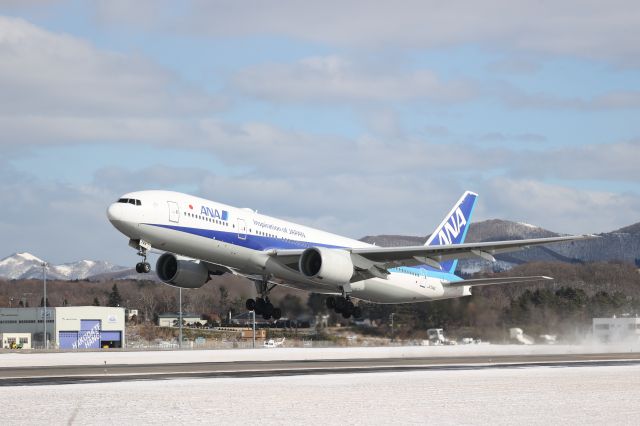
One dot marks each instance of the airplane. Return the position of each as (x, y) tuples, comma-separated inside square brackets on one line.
[(200, 238)]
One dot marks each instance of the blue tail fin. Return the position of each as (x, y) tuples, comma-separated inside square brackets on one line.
[(454, 227)]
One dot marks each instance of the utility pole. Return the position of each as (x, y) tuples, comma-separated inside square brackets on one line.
[(44, 303), (180, 314), (392, 330), (254, 328)]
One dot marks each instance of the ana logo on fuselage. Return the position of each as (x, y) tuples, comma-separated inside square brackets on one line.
[(214, 213), (452, 228)]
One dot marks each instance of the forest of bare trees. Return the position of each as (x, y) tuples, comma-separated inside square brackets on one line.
[(563, 306)]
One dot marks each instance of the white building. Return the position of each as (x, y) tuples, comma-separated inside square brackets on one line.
[(15, 340), (616, 329), (171, 319), (69, 327), (130, 313)]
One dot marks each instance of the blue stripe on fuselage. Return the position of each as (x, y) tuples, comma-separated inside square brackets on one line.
[(251, 241), (261, 243)]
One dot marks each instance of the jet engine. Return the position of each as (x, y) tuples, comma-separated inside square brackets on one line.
[(330, 266), (181, 272)]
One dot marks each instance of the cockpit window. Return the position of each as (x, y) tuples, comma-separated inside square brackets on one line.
[(130, 201)]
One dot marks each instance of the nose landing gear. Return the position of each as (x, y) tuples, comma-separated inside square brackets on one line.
[(142, 267)]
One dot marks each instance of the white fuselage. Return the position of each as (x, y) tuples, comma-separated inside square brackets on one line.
[(241, 239)]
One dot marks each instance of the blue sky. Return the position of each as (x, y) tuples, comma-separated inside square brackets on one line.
[(356, 117)]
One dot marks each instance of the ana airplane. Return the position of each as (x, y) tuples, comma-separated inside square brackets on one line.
[(201, 238)]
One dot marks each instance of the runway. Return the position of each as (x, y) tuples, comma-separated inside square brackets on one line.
[(106, 372), (541, 394)]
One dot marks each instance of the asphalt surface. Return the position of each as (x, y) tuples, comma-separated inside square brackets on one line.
[(56, 375)]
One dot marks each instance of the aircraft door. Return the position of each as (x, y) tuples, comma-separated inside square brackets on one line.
[(242, 229), (174, 212)]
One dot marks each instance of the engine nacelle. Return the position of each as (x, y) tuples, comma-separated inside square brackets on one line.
[(330, 266), (181, 272)]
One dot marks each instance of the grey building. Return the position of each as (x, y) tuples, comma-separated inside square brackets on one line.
[(616, 329)]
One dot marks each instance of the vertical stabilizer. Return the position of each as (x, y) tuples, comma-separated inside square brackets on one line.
[(454, 227)]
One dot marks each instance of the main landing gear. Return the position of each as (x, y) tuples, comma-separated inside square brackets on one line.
[(344, 306), (261, 305)]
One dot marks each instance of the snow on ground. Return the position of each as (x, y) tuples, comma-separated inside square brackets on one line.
[(26, 359), (532, 395)]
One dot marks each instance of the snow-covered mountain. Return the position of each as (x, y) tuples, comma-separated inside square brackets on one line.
[(21, 266)]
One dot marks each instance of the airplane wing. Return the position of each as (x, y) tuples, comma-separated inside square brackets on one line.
[(408, 256), (375, 261), (492, 281)]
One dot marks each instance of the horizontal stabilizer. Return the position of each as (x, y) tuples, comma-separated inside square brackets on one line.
[(493, 281)]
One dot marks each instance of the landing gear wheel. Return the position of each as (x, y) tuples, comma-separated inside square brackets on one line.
[(349, 307), (268, 309), (341, 305), (331, 302), (260, 304), (141, 267), (357, 312), (346, 315), (250, 304), (277, 313)]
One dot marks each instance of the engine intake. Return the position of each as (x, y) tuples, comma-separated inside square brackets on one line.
[(328, 266), (181, 272)]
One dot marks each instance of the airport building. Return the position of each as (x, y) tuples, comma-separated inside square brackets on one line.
[(616, 329), (173, 319), (69, 327)]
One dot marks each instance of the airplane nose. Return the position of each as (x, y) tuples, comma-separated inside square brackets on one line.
[(114, 212)]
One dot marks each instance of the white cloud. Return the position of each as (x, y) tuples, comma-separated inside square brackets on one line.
[(60, 89), (604, 162), (560, 208), (58, 222), (334, 78), (512, 137), (57, 74), (610, 100), (591, 29)]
